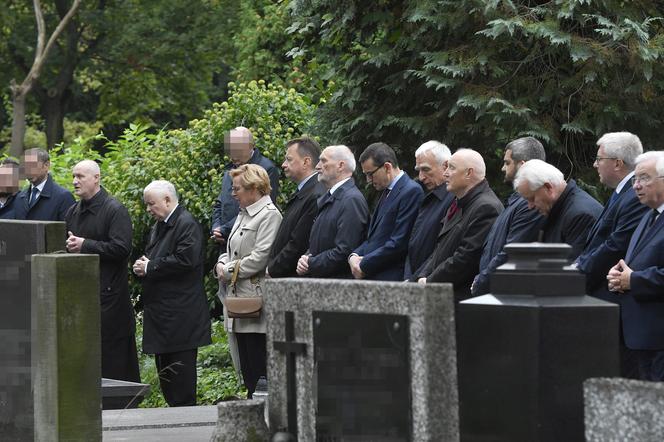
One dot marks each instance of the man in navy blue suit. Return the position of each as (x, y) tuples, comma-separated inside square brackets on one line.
[(639, 278), (609, 237), (383, 254), (44, 200)]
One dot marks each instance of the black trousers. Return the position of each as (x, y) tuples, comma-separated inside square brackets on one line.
[(177, 377), (648, 364), (119, 359), (253, 358)]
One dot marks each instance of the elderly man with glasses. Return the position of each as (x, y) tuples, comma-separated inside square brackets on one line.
[(638, 279)]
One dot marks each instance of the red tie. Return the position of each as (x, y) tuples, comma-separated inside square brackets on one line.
[(454, 208)]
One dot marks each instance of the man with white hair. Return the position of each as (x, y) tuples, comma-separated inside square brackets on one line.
[(430, 163), (638, 279), (570, 212), (341, 223), (99, 224), (518, 222), (240, 147), (465, 226), (176, 318), (608, 239)]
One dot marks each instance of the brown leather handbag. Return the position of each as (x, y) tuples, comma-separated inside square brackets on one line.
[(243, 307)]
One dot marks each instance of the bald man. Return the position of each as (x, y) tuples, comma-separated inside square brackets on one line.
[(99, 224), (466, 225), (240, 147)]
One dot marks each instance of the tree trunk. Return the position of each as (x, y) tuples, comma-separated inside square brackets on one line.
[(53, 110), (18, 121)]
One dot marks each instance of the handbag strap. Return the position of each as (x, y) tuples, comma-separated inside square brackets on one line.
[(236, 271)]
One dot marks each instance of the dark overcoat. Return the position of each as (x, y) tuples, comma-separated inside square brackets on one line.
[(571, 218), (340, 226), (106, 226), (457, 254), (175, 311), (292, 239), (52, 204), (8, 211)]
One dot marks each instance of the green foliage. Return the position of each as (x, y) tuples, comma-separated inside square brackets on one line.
[(217, 380), (480, 73)]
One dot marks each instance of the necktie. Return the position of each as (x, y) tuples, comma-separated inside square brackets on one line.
[(614, 197), (34, 194), (454, 208), (653, 217)]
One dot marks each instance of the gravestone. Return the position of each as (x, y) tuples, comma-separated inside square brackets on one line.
[(66, 355), (373, 360), (18, 241), (623, 410), (525, 350)]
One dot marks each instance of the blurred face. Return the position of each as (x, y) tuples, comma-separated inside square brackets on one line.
[(86, 182), (606, 169), (542, 199), (245, 197), (35, 170), (376, 175), (328, 169), (430, 172), (239, 146), (296, 167), (158, 205), (649, 187), (509, 166), (456, 176), (9, 181)]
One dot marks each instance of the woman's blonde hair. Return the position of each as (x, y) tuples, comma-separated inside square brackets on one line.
[(253, 176)]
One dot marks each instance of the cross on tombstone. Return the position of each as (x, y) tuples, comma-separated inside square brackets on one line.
[(291, 349)]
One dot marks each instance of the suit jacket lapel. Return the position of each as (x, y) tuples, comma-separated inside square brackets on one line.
[(448, 224), (643, 234)]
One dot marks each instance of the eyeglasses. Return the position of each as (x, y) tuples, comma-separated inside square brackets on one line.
[(643, 179), (598, 158), (370, 174)]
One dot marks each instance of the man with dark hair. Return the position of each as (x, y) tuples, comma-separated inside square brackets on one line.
[(383, 254), (609, 237), (341, 222), (9, 185), (99, 224), (517, 223), (292, 241), (44, 200), (239, 144)]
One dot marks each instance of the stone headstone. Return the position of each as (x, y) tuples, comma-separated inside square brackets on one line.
[(623, 410), (66, 355), (18, 241), (525, 350), (364, 333), (241, 421), (117, 394)]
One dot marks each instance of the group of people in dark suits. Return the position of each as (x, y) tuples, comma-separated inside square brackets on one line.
[(449, 227)]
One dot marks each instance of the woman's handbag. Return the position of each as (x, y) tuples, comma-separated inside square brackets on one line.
[(243, 307)]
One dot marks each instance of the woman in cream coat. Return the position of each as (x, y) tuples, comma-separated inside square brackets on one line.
[(247, 253)]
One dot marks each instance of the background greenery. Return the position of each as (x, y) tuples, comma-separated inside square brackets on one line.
[(148, 88)]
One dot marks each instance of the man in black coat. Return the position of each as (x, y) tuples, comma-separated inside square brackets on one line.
[(100, 224), (341, 223), (465, 226), (570, 212), (176, 319), (239, 145), (44, 200), (292, 239), (518, 222), (608, 239), (430, 163), (9, 185)]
